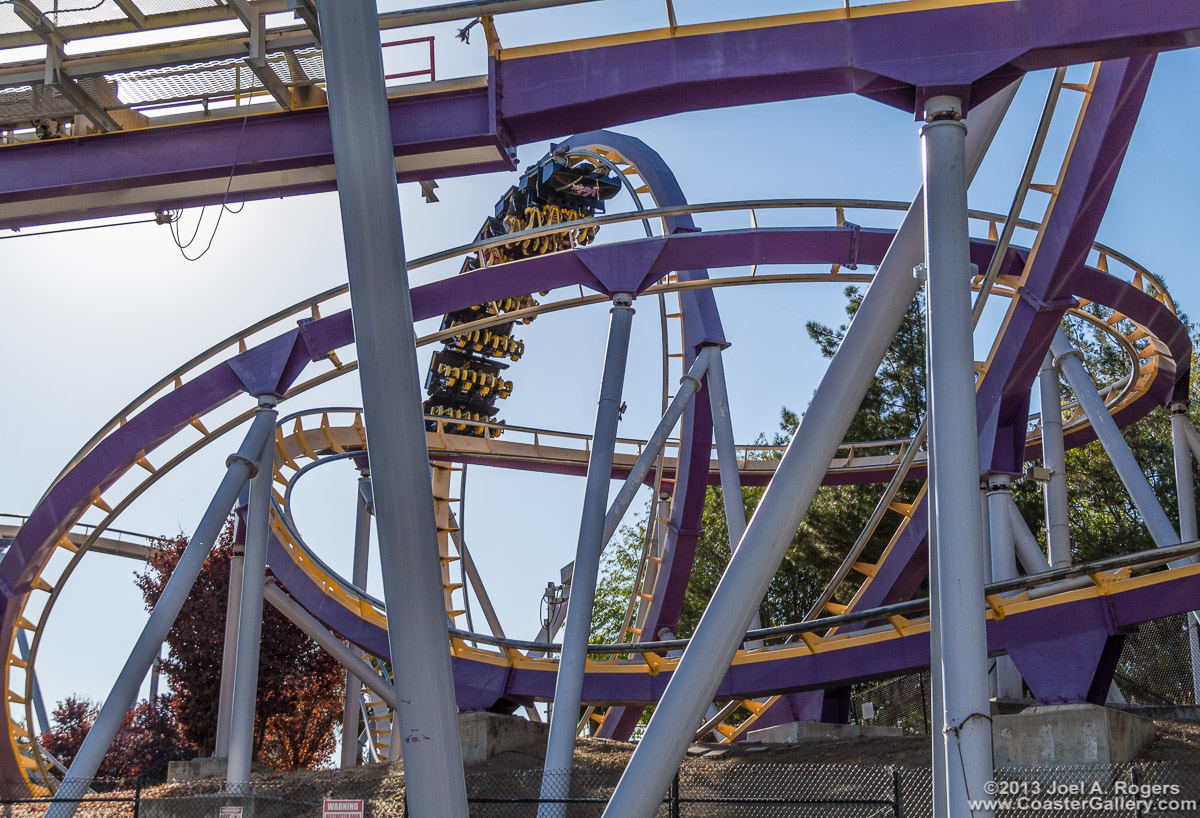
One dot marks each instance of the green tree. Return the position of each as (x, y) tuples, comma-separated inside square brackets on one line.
[(892, 408)]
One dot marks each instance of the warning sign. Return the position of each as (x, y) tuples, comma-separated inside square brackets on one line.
[(230, 812), (335, 808)]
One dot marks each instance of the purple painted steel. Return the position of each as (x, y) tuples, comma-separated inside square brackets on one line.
[(1058, 273), (898, 59), (259, 143), (701, 325), (1085, 618), (1075, 667), (119, 452), (1003, 395)]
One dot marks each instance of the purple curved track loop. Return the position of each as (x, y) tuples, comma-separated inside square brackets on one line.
[(484, 685)]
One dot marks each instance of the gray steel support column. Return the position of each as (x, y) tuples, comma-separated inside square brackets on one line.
[(141, 657), (249, 639), (1069, 361), (689, 385), (426, 725), (568, 686), (155, 674), (358, 575), (1029, 553), (937, 701), (721, 630), (1004, 566), (347, 657), (1054, 458), (951, 394), (233, 607), (1193, 438), (1185, 491), (731, 480)]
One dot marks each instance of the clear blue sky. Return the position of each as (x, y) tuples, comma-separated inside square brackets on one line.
[(93, 318)]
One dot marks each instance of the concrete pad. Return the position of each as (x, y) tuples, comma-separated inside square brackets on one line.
[(197, 769), (819, 731), (1068, 734), (483, 735)]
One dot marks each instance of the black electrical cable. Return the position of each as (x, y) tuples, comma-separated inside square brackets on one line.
[(73, 229), (224, 204)]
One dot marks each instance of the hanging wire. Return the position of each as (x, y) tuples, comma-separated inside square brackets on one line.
[(174, 216), (18, 235)]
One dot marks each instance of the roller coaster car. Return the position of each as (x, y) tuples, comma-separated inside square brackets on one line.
[(584, 185)]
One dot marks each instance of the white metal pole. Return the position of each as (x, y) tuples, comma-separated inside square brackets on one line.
[(352, 707), (426, 721), (347, 657), (249, 640), (951, 395), (1069, 361), (1004, 566), (141, 657), (1054, 458), (737, 597), (1186, 497), (568, 686), (689, 385), (233, 607), (937, 698), (1029, 553), (727, 462)]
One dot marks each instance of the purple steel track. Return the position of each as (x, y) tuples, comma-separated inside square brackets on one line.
[(898, 59), (278, 362)]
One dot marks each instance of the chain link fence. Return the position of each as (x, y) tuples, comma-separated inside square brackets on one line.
[(711, 790)]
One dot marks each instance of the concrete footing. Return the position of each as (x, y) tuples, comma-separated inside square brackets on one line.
[(483, 735), (819, 731), (1068, 734), (196, 769)]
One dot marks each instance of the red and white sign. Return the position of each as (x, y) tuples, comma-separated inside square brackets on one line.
[(342, 808)]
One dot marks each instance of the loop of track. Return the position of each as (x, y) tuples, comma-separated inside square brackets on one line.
[(1152, 349)]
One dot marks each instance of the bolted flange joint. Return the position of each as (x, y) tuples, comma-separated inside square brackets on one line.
[(1071, 353), (239, 458)]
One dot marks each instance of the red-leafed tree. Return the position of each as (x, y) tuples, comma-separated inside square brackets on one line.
[(299, 686), (148, 739), (72, 719)]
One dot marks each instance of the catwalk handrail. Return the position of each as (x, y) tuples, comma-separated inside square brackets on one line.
[(1144, 559)]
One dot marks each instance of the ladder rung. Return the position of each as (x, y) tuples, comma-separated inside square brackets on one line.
[(868, 568)]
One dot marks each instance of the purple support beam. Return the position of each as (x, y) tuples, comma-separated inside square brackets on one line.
[(120, 450), (1003, 394), (1057, 275), (897, 59), (268, 155)]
